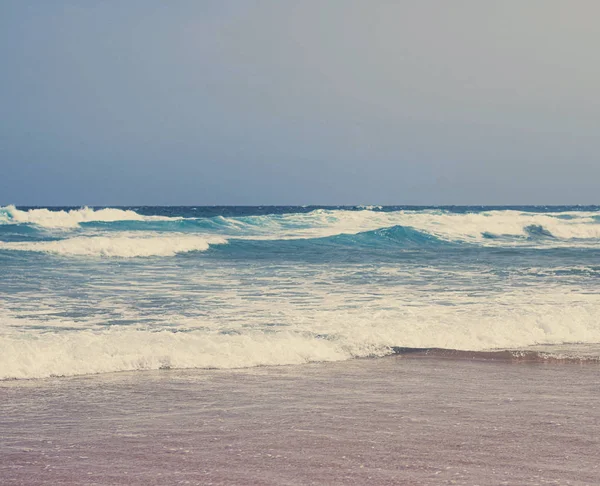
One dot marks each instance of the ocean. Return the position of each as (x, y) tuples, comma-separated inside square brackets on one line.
[(299, 345), (98, 290)]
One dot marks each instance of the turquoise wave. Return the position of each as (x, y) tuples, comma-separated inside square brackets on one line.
[(324, 227)]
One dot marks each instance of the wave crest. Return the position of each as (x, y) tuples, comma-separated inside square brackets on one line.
[(488, 228), (495, 227), (89, 352), (119, 246), (72, 218)]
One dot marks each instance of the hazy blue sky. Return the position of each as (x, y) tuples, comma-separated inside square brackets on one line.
[(299, 101)]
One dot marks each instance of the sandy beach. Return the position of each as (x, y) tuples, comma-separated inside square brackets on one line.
[(395, 420)]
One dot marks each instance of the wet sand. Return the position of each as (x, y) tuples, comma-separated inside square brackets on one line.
[(396, 420)]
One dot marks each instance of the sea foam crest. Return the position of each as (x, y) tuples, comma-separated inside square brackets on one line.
[(490, 228), (141, 245), (473, 227), (72, 218), (545, 317), (91, 352)]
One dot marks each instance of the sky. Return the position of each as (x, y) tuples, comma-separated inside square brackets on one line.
[(226, 102)]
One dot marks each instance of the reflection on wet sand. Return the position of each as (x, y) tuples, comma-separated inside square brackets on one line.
[(375, 421)]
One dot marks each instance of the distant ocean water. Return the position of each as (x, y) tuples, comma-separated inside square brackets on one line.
[(95, 290)]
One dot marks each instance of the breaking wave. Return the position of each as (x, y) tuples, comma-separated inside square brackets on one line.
[(89, 352), (119, 246), (124, 233), (478, 331), (481, 227), (72, 218), (475, 227)]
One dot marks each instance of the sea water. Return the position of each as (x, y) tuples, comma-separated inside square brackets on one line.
[(99, 290)]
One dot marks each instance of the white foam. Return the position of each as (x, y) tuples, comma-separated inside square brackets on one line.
[(72, 218), (472, 226), (459, 227), (140, 245), (369, 207), (508, 321), (566, 226), (88, 352)]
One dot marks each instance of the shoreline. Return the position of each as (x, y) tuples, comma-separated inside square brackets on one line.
[(507, 355), (514, 356), (393, 420)]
